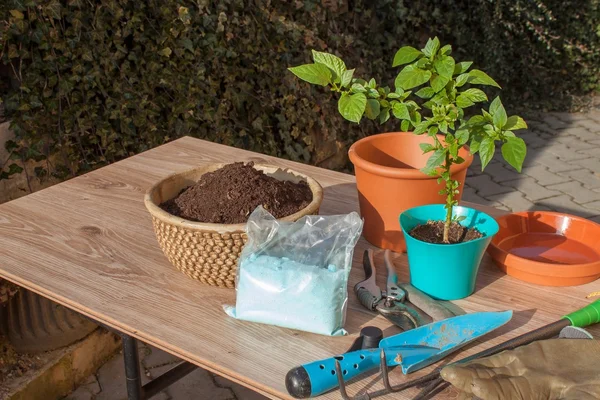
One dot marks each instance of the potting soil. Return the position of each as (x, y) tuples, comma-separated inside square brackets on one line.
[(282, 292), (229, 194)]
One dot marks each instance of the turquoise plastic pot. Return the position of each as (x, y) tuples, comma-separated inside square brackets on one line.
[(446, 271)]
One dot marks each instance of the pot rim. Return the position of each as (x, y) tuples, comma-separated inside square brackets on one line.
[(489, 237), (159, 213), (402, 173)]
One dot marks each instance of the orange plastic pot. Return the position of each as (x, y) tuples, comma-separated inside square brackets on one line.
[(389, 181)]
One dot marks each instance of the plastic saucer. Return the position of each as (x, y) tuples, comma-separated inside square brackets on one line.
[(547, 248)]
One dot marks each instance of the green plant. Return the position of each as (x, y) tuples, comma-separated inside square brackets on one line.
[(445, 90)]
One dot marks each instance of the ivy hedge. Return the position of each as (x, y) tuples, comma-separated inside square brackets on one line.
[(87, 83)]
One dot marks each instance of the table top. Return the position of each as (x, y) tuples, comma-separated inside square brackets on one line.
[(88, 244)]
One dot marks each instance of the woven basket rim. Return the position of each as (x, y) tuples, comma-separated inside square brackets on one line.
[(159, 213)]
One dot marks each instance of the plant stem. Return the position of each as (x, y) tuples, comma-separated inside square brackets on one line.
[(449, 198)]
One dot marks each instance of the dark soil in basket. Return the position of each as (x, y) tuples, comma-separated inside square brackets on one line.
[(433, 232), (229, 194)]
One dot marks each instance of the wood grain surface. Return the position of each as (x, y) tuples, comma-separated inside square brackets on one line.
[(88, 244)]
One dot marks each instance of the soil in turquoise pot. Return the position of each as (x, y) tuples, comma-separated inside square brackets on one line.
[(229, 194), (433, 232)]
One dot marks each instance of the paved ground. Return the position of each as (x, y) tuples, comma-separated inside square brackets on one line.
[(562, 173)]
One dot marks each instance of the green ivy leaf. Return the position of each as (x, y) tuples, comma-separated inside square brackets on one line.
[(411, 76), (406, 55), (331, 61), (487, 148), (317, 74), (347, 77), (444, 66), (481, 78), (439, 82), (352, 106), (515, 122), (426, 147), (405, 125), (425, 93), (498, 113), (431, 47), (435, 160), (462, 67), (514, 151), (400, 111), (372, 109), (14, 169)]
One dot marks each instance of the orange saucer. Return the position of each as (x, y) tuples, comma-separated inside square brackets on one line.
[(547, 248)]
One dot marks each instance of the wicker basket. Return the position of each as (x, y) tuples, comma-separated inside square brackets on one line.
[(204, 251)]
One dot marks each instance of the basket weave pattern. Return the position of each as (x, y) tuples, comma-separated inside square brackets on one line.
[(209, 257)]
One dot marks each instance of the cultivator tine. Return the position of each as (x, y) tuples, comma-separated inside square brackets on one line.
[(343, 392)]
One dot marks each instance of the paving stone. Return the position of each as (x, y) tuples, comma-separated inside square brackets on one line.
[(500, 173), (593, 126), (576, 190), (469, 194), (564, 203), (589, 179), (555, 123), (532, 190), (554, 164), (533, 140), (199, 384), (86, 391), (537, 127), (516, 201), (566, 153), (157, 358), (594, 152), (593, 164), (486, 187), (111, 377), (241, 392), (544, 177), (574, 143), (571, 117), (594, 205), (596, 219), (595, 142)]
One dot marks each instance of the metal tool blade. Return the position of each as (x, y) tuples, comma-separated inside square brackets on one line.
[(393, 290), (448, 335)]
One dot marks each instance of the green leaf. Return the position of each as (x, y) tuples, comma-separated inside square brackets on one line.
[(166, 52), (439, 82), (18, 15), (488, 117), (462, 135), (358, 88), (475, 95), (462, 67), (331, 61), (425, 93), (431, 47), (481, 78), (422, 127), (406, 55), (14, 169), (405, 125), (393, 96), (461, 80), (487, 148), (411, 76), (384, 115), (347, 77), (463, 101), (498, 113), (447, 49), (426, 147), (372, 109), (352, 106), (515, 122), (372, 83), (435, 160), (444, 66), (476, 119), (400, 111), (317, 74), (432, 131), (373, 93), (514, 151), (443, 126)]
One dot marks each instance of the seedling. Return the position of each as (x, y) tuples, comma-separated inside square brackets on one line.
[(443, 90)]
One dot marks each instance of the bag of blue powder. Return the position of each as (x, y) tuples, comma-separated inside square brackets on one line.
[(295, 274)]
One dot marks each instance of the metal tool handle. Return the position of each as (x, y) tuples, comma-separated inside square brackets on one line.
[(367, 291)]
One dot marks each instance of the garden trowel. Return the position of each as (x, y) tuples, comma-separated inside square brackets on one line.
[(411, 350)]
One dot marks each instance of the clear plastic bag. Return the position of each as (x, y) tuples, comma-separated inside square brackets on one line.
[(295, 274)]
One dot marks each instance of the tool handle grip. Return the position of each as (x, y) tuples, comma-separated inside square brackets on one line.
[(588, 315), (318, 377)]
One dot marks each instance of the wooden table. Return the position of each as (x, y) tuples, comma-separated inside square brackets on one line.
[(88, 244)]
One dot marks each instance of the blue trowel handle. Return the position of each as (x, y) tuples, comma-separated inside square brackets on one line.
[(318, 377)]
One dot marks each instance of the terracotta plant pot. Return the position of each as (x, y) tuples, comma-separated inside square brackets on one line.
[(389, 181)]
